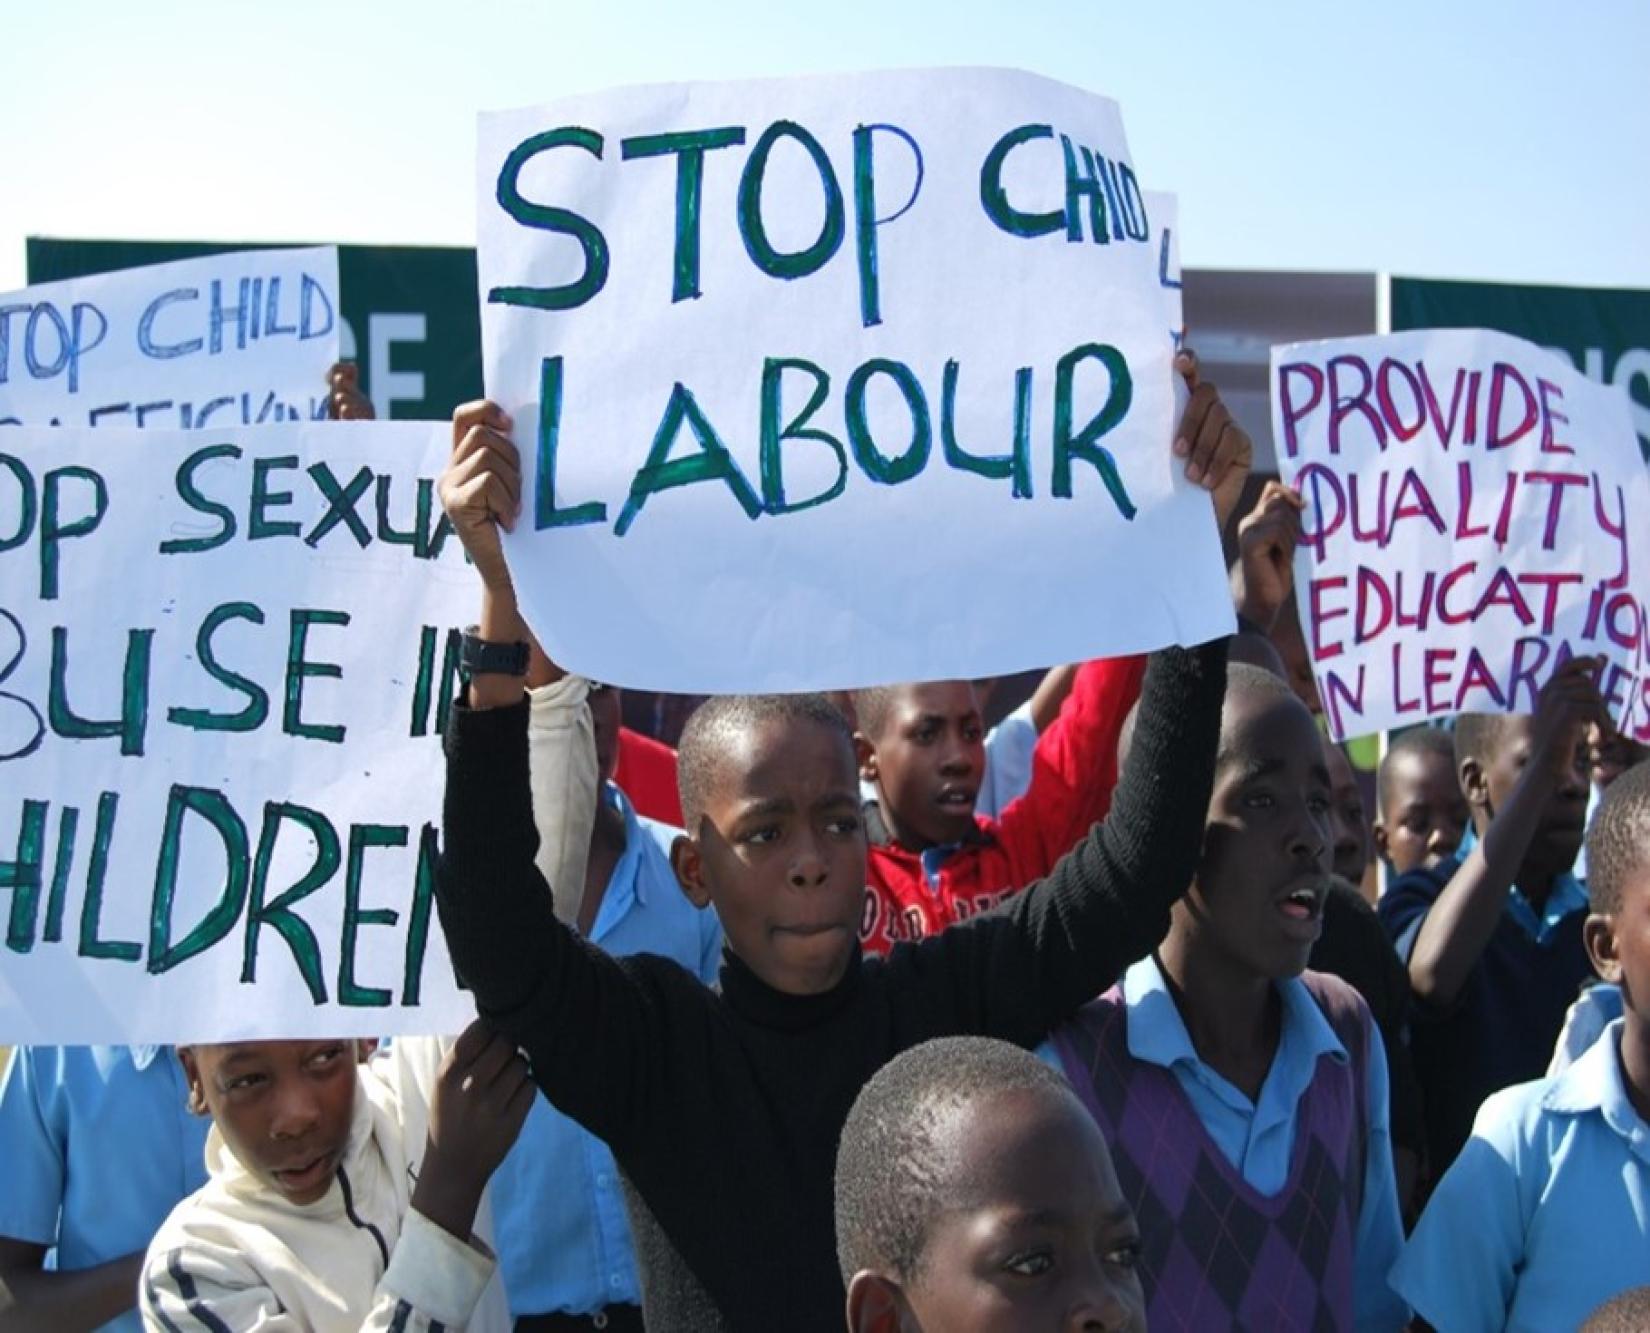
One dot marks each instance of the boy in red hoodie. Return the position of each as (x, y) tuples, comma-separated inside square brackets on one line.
[(933, 859)]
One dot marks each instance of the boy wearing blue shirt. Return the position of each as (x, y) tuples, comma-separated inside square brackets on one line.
[(96, 1147), (1245, 1100), (1546, 1213), (1492, 936)]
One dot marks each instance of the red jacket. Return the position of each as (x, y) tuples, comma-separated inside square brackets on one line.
[(646, 773), (1073, 774)]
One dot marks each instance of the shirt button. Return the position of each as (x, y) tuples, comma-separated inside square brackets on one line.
[(613, 1281), (602, 1180)]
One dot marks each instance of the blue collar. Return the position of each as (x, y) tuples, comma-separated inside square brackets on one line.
[(143, 1056), (624, 886), (1157, 1034), (1567, 896), (1595, 1083), (933, 861)]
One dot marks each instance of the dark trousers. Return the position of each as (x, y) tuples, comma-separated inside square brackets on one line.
[(614, 1319)]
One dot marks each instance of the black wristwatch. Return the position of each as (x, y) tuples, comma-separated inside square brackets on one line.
[(477, 657)]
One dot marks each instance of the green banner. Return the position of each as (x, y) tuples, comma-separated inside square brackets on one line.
[(410, 314), (1604, 331)]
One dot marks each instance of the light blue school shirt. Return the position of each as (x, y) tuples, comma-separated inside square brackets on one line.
[(1010, 753), (562, 1236), (1568, 894), (1545, 1215), (1594, 1010), (97, 1146), (1258, 1138)]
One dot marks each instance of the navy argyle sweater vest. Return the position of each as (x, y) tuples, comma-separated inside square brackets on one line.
[(1216, 1254)]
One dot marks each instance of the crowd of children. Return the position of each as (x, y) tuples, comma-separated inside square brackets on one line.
[(847, 1008)]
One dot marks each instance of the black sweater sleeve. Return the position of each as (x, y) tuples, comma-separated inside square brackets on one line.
[(1019, 970), (591, 1025)]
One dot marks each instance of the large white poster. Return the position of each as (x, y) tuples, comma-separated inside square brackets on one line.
[(227, 340), (837, 381), (1477, 513), (225, 662)]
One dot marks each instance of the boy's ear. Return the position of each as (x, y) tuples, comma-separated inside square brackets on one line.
[(192, 1077), (866, 755), (689, 865), (1377, 831), (1599, 934), (877, 1305), (1475, 784)]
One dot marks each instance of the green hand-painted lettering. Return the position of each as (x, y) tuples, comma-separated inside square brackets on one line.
[(214, 808), (772, 464), (361, 837), (1085, 443), (877, 466), (1016, 464), (133, 722), (754, 232), (252, 716), (306, 951), (690, 147), (299, 669), (561, 221), (713, 462)]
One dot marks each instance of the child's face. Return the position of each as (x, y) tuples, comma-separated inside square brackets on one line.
[(1612, 756), (1348, 827), (1619, 944), (1424, 814), (1297, 662), (1563, 821), (780, 853), (283, 1107), (1040, 1238), (927, 761), (1263, 877)]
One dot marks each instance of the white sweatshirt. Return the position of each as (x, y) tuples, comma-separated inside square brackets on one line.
[(237, 1256)]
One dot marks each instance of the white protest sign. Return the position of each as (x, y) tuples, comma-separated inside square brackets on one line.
[(233, 339), (1475, 517), (1165, 235), (836, 381), (225, 662)]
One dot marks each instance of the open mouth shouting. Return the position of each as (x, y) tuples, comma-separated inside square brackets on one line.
[(1301, 908), (306, 1177)]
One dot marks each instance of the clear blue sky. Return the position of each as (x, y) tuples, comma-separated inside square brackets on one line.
[(1504, 141)]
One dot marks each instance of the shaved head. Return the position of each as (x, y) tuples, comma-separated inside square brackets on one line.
[(718, 725)]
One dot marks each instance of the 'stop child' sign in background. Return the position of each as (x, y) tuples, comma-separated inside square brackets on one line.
[(229, 340), (806, 372), (1475, 517)]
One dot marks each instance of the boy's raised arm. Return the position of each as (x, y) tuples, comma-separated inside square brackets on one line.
[(1453, 934), (587, 1023), (1074, 769), (1021, 969), (1024, 967)]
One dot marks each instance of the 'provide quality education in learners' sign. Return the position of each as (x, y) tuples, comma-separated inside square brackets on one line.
[(836, 381), (1476, 515), (225, 661), (235, 339)]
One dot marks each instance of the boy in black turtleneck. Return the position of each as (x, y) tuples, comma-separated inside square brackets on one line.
[(723, 1107)]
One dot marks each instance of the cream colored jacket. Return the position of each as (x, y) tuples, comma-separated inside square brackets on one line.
[(237, 1256)]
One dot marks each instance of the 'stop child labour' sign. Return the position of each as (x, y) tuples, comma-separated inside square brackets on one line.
[(229, 340), (1475, 517), (836, 381), (225, 661)]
